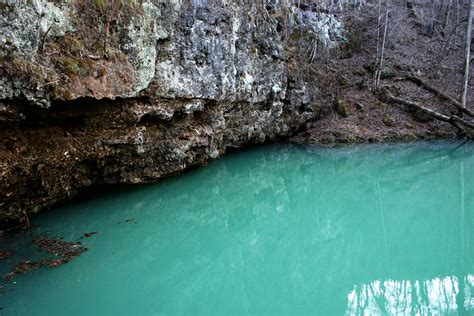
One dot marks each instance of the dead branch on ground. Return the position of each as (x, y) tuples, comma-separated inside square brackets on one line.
[(440, 94), (454, 120)]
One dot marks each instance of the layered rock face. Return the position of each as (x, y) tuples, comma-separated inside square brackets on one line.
[(94, 94)]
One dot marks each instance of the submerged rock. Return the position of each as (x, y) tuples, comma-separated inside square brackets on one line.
[(60, 252), (343, 107)]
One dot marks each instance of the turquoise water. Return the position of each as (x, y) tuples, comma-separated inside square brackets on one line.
[(278, 229)]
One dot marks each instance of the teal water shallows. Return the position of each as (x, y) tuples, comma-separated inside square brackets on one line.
[(279, 229)]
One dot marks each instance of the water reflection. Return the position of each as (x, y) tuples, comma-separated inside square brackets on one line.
[(275, 230), (433, 296)]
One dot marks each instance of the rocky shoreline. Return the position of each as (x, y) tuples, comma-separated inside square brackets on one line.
[(168, 85)]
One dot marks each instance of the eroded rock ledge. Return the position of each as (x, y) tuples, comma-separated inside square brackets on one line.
[(171, 85)]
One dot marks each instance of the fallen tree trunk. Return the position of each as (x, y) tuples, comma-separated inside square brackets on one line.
[(454, 120), (441, 94)]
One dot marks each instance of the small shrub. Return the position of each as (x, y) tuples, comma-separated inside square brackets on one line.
[(73, 45), (69, 65)]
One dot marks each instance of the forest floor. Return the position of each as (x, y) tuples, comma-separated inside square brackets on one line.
[(351, 109)]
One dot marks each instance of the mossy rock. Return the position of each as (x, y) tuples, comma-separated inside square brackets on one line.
[(388, 121), (358, 71), (387, 72), (31, 71), (80, 67), (343, 107)]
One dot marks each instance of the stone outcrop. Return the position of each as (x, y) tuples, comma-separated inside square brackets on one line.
[(97, 94)]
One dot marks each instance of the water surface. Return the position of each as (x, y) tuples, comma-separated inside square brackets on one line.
[(278, 229)]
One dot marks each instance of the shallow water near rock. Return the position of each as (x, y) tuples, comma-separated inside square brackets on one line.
[(277, 229)]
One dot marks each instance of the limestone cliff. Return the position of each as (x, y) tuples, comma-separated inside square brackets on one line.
[(93, 94)]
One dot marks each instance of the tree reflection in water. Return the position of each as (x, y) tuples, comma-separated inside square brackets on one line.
[(434, 296)]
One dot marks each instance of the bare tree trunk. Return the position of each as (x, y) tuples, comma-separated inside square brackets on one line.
[(467, 57), (457, 22), (377, 56), (377, 79), (447, 15)]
